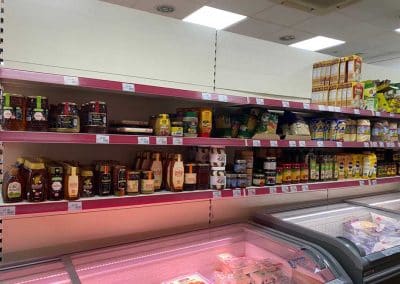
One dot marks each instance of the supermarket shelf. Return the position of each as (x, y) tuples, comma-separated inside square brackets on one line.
[(149, 90), (87, 138), (97, 203)]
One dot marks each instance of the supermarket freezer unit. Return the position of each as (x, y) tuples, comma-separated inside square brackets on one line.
[(389, 202), (244, 252), (364, 240)]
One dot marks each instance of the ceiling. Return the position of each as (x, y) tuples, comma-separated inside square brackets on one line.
[(366, 26)]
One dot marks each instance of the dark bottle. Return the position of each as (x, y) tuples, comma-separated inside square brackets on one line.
[(55, 181), (12, 185), (36, 182), (104, 179), (119, 180), (87, 182)]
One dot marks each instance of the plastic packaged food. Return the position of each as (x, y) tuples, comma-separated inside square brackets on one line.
[(337, 129), (317, 129), (12, 185), (248, 126), (393, 132), (350, 134), (363, 130), (72, 188), (223, 126), (64, 118), (37, 112), (94, 117), (162, 125), (268, 123), (14, 107), (36, 185)]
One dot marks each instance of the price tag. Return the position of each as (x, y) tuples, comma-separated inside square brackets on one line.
[(304, 187), (377, 113), (102, 139), (217, 194), (374, 182), (71, 80), (331, 108), (339, 144), (273, 143), (251, 191), (206, 96), (362, 182), (128, 87), (374, 144), (302, 143), (391, 114), (222, 98), (356, 111), (366, 145), (381, 144), (74, 206), (293, 188), (260, 101), (237, 193), (7, 211), (143, 140), (320, 143), (256, 143), (321, 108), (338, 109), (306, 106), (177, 141), (285, 188), (292, 143), (272, 189), (161, 141), (285, 104)]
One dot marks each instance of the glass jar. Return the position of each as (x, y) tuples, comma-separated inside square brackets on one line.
[(218, 178), (36, 184), (190, 177), (87, 182), (287, 174), (270, 178), (94, 117), (147, 182), (258, 179), (279, 176), (242, 180), (65, 118), (13, 117), (203, 176), (240, 166), (37, 113), (103, 178), (270, 164), (12, 185), (304, 172), (163, 125), (190, 124), (177, 128), (295, 173), (55, 181), (133, 182), (231, 180), (119, 180)]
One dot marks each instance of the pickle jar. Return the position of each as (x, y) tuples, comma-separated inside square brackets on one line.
[(13, 117), (37, 113)]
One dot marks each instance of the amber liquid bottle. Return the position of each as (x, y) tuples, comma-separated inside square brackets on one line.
[(71, 183), (157, 169), (177, 171), (12, 185)]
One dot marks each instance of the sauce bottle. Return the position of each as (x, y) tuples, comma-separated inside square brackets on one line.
[(138, 161), (146, 161), (71, 182), (55, 181), (168, 170), (36, 182), (87, 182), (177, 173), (162, 125), (157, 169), (190, 176), (104, 184), (12, 185), (119, 180)]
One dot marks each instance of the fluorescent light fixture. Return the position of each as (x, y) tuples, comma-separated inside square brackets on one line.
[(214, 18), (397, 30), (317, 43)]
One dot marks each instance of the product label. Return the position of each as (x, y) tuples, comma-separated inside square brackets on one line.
[(73, 186), (105, 184), (7, 113), (36, 191), (218, 159), (132, 186), (218, 181), (147, 185), (190, 178), (87, 187), (14, 190), (157, 171), (177, 177), (97, 119), (66, 121)]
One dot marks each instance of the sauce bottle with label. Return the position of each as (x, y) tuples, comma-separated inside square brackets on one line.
[(119, 180), (190, 176), (133, 183), (103, 179), (87, 182), (146, 161), (177, 171), (138, 161), (36, 182), (71, 182), (55, 181), (12, 185), (157, 169)]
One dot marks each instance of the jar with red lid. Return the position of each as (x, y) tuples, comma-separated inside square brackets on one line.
[(37, 113), (287, 173), (94, 117), (295, 173), (65, 118), (13, 117)]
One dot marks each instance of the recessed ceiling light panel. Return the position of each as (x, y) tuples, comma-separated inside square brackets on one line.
[(214, 18), (317, 43), (397, 30)]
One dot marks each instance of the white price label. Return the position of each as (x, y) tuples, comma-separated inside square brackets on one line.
[(304, 187), (321, 108), (143, 140), (285, 104), (128, 87), (222, 98), (381, 144), (7, 211), (293, 188), (285, 188), (272, 189), (366, 145), (374, 144), (260, 101), (71, 80), (377, 113), (292, 143), (177, 141), (374, 182), (320, 143), (302, 143), (74, 206), (256, 143), (251, 191), (273, 143), (391, 114), (306, 106), (362, 182), (237, 193), (338, 109), (217, 194), (356, 111), (102, 139), (206, 96), (161, 140), (331, 108), (339, 144)]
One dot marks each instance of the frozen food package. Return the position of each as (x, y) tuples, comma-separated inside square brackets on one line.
[(195, 278)]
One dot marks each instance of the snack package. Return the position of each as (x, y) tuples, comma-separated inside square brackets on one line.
[(268, 123), (382, 103), (357, 160), (317, 129), (342, 71), (337, 129), (350, 132), (369, 101), (332, 95), (348, 166)]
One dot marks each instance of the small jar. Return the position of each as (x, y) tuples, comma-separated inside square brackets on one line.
[(217, 178), (190, 124), (37, 112), (240, 166), (270, 177), (231, 181), (133, 182), (304, 172), (258, 179), (162, 125), (55, 181), (94, 117), (13, 117), (177, 128), (147, 182), (279, 176), (287, 174), (65, 118), (242, 180), (295, 173), (270, 164), (119, 180), (203, 176), (190, 177)]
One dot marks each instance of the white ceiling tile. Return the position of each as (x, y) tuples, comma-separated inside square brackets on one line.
[(243, 7), (255, 28), (299, 36), (126, 3), (282, 15), (367, 10), (182, 7)]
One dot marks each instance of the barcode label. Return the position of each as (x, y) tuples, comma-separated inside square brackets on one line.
[(222, 98), (206, 96), (331, 108), (302, 143), (256, 143), (102, 139), (356, 111), (304, 187), (285, 188), (374, 144), (306, 106), (285, 104), (273, 143), (339, 144), (143, 140), (272, 189), (391, 114), (260, 101), (71, 80), (374, 182), (237, 193), (292, 143), (321, 108), (177, 141), (338, 109), (362, 183), (381, 144), (216, 194), (74, 206), (128, 87), (377, 113), (251, 191), (161, 141), (7, 211), (320, 143), (293, 188), (366, 145)]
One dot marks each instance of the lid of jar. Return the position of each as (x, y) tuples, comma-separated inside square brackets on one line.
[(13, 95), (87, 173), (191, 164), (94, 102), (177, 123), (133, 173), (68, 103), (218, 168), (242, 176), (34, 97), (191, 113), (163, 115), (34, 165), (203, 165), (258, 175), (240, 161), (20, 160), (270, 158), (231, 175)]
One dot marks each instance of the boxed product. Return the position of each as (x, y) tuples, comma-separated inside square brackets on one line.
[(354, 94), (370, 102), (334, 74), (332, 95), (354, 64), (342, 71)]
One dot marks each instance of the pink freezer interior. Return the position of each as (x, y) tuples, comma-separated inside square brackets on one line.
[(197, 252)]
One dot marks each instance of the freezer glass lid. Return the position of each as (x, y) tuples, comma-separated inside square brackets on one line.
[(389, 201), (229, 254), (370, 230)]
